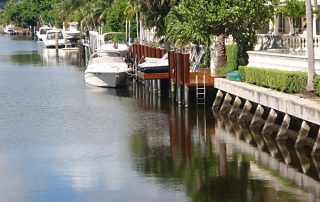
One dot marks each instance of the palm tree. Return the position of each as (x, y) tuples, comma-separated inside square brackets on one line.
[(293, 9), (311, 71)]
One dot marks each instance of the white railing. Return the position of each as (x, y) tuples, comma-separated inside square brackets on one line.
[(268, 41)]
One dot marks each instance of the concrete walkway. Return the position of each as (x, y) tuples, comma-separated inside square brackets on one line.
[(306, 109)]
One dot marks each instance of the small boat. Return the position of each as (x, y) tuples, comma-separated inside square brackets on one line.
[(155, 65), (106, 70), (72, 34), (113, 44), (10, 30), (42, 32), (53, 37)]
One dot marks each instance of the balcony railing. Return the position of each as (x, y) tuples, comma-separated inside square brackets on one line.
[(294, 43)]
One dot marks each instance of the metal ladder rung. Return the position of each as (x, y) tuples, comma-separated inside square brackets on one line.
[(201, 92)]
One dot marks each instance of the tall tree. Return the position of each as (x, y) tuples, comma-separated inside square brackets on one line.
[(311, 71)]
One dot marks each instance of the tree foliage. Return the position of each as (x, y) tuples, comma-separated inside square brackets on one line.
[(28, 12), (198, 20)]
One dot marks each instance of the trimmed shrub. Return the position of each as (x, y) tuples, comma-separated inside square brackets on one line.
[(224, 70), (232, 56), (316, 83), (286, 81)]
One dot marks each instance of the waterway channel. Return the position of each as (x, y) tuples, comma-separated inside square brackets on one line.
[(61, 140)]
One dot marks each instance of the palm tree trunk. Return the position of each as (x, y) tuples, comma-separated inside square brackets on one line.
[(221, 51), (291, 27), (311, 71)]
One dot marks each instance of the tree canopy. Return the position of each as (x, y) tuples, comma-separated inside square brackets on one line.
[(198, 20)]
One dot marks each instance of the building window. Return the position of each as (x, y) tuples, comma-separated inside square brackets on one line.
[(297, 24), (282, 23)]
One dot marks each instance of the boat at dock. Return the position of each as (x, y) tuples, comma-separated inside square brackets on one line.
[(10, 30), (155, 65), (42, 32), (106, 69), (111, 43), (72, 34), (51, 37)]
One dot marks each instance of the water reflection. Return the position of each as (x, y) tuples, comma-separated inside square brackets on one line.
[(23, 51), (61, 140), (214, 158)]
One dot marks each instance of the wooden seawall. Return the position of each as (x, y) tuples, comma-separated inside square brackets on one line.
[(179, 80)]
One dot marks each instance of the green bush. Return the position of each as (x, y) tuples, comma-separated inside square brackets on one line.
[(286, 81), (316, 83), (232, 56), (224, 70)]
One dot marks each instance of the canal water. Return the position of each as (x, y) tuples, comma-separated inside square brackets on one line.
[(61, 140)]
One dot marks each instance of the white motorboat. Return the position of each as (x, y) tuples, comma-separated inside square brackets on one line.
[(155, 65), (53, 37), (72, 34), (112, 44), (10, 30), (42, 32), (106, 70)]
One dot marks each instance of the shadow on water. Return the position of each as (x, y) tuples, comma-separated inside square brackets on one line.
[(211, 156)]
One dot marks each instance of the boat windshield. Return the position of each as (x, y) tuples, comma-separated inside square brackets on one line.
[(52, 35), (44, 31)]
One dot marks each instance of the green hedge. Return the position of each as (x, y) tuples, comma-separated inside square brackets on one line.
[(286, 81), (316, 83), (232, 56)]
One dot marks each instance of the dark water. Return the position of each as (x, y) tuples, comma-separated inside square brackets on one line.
[(61, 140)]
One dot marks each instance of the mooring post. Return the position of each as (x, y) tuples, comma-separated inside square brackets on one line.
[(171, 60), (154, 86), (186, 77), (57, 42), (159, 86), (182, 80), (138, 54), (179, 76)]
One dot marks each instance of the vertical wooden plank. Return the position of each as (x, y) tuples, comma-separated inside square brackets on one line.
[(139, 53), (179, 68), (153, 52), (186, 63), (158, 53)]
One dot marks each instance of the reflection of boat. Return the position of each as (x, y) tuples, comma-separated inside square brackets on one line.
[(10, 30), (72, 34), (109, 70), (155, 65), (113, 44), (51, 37), (42, 32)]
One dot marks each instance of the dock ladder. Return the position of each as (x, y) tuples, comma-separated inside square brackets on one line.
[(201, 91)]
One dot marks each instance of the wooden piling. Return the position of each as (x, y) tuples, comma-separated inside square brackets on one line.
[(158, 53), (171, 57), (138, 53)]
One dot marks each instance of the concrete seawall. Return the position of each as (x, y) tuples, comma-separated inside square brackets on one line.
[(305, 109)]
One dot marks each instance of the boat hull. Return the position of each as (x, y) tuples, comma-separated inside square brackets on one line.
[(109, 79)]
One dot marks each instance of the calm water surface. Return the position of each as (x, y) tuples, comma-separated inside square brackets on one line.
[(61, 140)]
